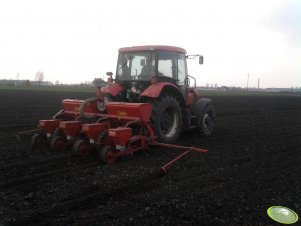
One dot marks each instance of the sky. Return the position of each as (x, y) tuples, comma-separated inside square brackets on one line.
[(77, 41)]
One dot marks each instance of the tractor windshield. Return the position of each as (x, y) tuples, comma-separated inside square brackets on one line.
[(135, 66)]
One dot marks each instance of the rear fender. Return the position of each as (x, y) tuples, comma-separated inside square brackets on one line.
[(114, 89), (155, 90)]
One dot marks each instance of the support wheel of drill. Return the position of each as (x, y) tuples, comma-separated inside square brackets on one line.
[(81, 148), (58, 143), (106, 154), (38, 141)]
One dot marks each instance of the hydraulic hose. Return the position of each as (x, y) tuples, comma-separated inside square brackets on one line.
[(82, 107), (58, 114)]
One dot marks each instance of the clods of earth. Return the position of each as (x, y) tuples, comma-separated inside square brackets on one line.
[(254, 162)]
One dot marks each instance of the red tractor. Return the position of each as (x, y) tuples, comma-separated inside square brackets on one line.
[(158, 75), (150, 102)]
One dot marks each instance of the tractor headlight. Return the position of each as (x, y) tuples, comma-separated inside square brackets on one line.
[(101, 106)]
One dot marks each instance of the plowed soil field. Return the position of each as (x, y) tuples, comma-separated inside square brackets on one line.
[(254, 162)]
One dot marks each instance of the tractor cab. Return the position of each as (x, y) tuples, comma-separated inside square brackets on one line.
[(140, 66), (144, 64)]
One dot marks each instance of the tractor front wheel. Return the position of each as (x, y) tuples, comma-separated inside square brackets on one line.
[(206, 119), (166, 119)]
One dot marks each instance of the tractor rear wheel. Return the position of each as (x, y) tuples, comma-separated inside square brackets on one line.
[(206, 119), (166, 119)]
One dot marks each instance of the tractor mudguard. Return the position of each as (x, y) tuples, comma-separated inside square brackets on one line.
[(114, 89), (154, 90)]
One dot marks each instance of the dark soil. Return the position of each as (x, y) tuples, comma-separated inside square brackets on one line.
[(254, 162)]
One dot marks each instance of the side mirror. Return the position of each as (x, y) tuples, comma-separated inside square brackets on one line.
[(201, 59), (109, 74)]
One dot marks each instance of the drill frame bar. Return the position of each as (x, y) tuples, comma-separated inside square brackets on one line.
[(28, 132), (186, 150)]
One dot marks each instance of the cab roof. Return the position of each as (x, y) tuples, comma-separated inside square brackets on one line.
[(152, 48)]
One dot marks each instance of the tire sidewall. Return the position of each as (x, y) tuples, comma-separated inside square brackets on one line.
[(159, 107), (201, 113)]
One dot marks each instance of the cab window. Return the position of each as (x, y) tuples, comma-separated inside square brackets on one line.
[(172, 65)]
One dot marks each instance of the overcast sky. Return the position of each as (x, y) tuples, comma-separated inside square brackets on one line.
[(76, 41)]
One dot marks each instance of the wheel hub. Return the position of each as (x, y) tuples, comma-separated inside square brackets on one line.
[(83, 150), (169, 121), (207, 121)]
